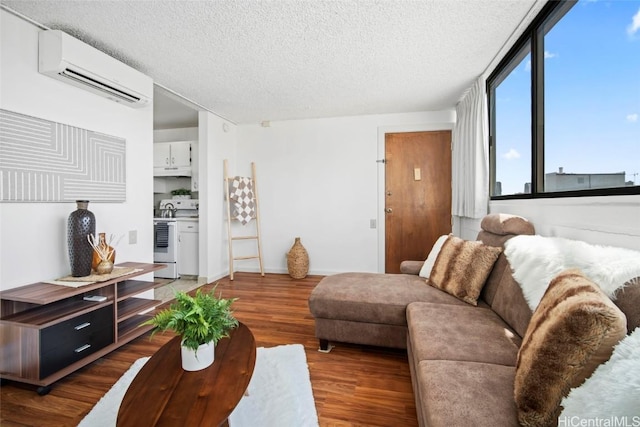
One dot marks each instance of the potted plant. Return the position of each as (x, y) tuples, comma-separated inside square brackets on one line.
[(181, 193), (202, 320)]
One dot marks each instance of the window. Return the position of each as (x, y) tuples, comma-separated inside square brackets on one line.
[(512, 98), (565, 104)]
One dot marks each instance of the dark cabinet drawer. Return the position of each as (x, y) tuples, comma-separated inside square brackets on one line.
[(73, 329), (74, 339)]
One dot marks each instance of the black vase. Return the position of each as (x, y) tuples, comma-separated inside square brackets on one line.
[(80, 224)]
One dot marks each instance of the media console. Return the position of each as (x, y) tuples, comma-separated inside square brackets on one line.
[(48, 331)]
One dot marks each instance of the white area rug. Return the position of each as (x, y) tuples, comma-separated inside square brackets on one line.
[(279, 393)]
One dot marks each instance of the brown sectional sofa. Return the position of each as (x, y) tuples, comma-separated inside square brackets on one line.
[(462, 357)]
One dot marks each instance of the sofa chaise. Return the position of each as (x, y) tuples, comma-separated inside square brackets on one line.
[(464, 347)]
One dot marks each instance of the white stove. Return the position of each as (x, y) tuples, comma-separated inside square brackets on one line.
[(179, 208), (165, 247)]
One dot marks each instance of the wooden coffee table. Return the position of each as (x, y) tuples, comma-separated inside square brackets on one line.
[(163, 394)]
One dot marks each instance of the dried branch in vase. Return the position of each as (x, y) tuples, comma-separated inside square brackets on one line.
[(103, 248)]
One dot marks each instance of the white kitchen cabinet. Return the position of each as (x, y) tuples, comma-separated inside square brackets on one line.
[(172, 154), (188, 235)]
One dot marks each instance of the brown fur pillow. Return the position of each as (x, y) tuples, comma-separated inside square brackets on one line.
[(462, 267), (572, 331)]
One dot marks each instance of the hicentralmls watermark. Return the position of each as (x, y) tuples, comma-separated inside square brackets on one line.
[(612, 421)]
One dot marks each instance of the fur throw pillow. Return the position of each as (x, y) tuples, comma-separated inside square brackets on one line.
[(612, 390), (462, 268), (573, 330)]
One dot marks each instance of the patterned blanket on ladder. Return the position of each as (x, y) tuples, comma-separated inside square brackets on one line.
[(242, 196)]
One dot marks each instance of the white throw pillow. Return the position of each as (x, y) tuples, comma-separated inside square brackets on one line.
[(612, 390), (425, 271)]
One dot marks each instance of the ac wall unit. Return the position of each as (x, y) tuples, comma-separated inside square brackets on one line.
[(68, 59)]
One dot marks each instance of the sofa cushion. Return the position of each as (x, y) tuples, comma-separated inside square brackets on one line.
[(411, 267), (462, 267), (627, 298), (466, 394), (461, 333), (372, 297), (572, 331), (504, 224), (509, 303)]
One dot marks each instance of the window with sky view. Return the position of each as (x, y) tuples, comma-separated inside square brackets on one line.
[(591, 103)]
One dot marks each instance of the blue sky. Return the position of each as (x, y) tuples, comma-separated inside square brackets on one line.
[(592, 97)]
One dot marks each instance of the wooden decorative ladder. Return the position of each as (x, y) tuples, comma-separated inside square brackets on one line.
[(256, 217)]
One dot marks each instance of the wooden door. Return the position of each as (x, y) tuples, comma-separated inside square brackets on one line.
[(417, 194)]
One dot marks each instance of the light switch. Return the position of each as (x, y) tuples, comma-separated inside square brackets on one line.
[(417, 176), (133, 237)]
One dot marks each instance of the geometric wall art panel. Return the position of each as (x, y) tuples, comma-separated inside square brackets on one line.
[(44, 161)]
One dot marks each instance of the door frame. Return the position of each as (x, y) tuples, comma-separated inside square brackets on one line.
[(382, 132)]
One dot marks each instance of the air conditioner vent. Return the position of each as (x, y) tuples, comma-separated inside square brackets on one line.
[(72, 61), (80, 78)]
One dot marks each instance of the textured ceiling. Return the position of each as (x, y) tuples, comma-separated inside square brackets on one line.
[(250, 61), (170, 111)]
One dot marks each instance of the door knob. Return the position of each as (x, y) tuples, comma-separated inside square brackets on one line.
[(388, 210)]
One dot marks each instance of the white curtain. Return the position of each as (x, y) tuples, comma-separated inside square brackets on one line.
[(470, 166)]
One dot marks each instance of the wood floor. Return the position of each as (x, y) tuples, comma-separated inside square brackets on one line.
[(352, 385)]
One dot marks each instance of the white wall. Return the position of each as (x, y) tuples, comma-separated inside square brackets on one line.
[(217, 139), (611, 221), (319, 180), (33, 235), (178, 134)]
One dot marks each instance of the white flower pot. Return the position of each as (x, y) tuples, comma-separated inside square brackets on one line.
[(193, 360)]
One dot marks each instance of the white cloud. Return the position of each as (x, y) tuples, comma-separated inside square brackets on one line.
[(633, 28), (547, 55), (632, 117), (511, 154)]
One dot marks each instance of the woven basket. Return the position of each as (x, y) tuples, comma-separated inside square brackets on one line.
[(298, 260)]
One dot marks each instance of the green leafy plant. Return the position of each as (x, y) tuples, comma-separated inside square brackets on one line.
[(198, 319), (181, 192)]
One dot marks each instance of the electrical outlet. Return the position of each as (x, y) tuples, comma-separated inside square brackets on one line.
[(133, 237)]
